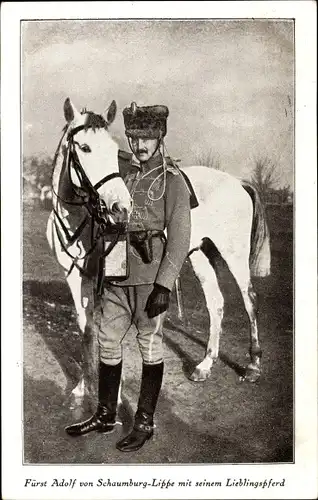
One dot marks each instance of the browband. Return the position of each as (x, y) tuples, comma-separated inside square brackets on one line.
[(75, 130)]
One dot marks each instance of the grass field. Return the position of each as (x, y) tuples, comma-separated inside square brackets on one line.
[(39, 264), (219, 421)]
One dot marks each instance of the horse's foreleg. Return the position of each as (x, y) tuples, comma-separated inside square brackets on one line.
[(82, 293), (82, 298), (214, 303), (74, 283), (90, 357)]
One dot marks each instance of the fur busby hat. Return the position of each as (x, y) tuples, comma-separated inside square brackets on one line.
[(146, 121)]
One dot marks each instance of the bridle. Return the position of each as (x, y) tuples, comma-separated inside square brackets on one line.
[(91, 190), (95, 206)]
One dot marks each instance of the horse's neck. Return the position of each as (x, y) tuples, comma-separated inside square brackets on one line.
[(62, 188)]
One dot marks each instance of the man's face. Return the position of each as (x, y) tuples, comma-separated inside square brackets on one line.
[(144, 148)]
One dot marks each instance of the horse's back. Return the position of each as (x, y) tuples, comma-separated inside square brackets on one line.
[(225, 209), (213, 186)]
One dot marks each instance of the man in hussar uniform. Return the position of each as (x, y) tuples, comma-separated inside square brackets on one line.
[(161, 200)]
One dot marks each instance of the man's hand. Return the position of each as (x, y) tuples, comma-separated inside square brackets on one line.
[(158, 301)]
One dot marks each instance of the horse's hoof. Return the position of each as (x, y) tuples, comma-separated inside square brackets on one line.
[(74, 400), (74, 403), (252, 374), (199, 375)]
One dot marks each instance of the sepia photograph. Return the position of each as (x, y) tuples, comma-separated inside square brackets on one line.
[(157, 225), (219, 108)]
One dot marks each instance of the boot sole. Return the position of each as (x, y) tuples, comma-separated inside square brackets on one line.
[(75, 434), (134, 449)]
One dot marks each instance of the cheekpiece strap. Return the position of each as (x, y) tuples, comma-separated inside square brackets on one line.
[(106, 178)]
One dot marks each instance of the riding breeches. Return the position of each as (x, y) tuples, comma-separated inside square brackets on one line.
[(119, 309)]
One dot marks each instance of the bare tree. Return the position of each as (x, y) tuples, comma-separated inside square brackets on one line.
[(285, 194), (264, 176), (208, 159), (38, 169)]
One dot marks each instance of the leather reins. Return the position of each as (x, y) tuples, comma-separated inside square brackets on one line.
[(91, 201)]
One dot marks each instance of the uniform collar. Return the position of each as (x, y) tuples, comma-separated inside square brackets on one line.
[(153, 162)]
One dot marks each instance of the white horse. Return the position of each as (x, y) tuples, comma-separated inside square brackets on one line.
[(231, 219), (87, 191), (230, 216)]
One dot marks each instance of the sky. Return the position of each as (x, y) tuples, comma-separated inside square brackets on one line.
[(229, 85)]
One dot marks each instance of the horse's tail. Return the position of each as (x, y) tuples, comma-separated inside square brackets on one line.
[(260, 254)]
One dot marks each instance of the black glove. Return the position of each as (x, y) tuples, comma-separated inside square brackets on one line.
[(158, 301)]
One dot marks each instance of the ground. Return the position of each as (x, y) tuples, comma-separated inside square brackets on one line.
[(221, 420)]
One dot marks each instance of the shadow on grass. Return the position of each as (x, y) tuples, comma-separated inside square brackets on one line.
[(48, 307), (51, 291), (174, 441), (189, 362)]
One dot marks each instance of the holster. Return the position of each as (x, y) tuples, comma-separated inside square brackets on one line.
[(142, 243)]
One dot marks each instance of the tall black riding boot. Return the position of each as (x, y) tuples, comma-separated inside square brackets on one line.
[(149, 392), (105, 417)]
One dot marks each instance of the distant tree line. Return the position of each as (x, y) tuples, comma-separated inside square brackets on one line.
[(264, 177), (37, 172), (208, 159)]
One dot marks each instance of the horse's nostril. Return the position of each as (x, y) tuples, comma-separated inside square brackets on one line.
[(115, 208)]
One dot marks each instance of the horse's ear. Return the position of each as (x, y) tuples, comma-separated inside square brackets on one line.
[(70, 111), (111, 113)]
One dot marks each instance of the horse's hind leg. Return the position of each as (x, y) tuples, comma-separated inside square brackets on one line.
[(253, 371), (214, 302), (240, 269)]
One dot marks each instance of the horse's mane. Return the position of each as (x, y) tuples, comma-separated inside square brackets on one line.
[(94, 121)]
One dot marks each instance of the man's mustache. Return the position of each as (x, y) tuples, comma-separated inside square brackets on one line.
[(140, 151)]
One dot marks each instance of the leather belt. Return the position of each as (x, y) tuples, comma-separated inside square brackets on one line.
[(142, 242)]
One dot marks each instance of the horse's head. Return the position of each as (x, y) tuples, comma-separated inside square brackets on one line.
[(94, 154)]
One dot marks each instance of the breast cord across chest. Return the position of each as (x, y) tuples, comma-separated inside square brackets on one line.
[(149, 191)]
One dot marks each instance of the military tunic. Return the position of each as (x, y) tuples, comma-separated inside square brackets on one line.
[(161, 201)]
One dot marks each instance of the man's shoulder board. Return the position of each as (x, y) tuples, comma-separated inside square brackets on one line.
[(172, 166)]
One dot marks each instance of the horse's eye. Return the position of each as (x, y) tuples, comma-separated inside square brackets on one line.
[(85, 148)]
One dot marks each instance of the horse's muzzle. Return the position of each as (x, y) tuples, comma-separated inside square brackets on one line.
[(116, 208), (119, 214)]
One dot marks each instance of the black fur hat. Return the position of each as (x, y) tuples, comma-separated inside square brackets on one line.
[(146, 121)]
